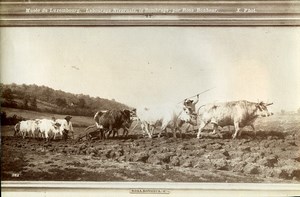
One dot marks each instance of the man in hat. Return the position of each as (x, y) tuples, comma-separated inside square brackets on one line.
[(191, 104), (68, 127)]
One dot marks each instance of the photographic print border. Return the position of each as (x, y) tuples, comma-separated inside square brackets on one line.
[(149, 13)]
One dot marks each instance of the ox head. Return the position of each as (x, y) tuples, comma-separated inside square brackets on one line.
[(58, 127), (133, 113), (127, 114), (262, 109), (130, 113), (17, 128)]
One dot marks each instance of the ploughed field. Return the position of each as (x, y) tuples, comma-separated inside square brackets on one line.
[(273, 155)]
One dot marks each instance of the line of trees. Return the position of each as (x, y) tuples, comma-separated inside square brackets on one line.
[(45, 99)]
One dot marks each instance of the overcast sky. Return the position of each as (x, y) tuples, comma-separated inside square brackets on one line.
[(150, 65)]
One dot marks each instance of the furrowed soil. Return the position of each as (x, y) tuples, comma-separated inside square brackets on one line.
[(272, 156)]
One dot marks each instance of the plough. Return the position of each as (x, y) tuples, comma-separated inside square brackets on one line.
[(92, 132)]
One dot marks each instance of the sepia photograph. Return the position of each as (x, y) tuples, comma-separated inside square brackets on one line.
[(150, 104)]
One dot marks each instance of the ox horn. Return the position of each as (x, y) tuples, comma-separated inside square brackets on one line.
[(269, 104)]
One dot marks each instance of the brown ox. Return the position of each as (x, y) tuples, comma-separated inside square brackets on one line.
[(112, 120)]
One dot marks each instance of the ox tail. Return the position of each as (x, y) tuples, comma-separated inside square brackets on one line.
[(199, 109)]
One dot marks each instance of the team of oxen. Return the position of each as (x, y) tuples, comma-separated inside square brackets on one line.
[(44, 128), (236, 113)]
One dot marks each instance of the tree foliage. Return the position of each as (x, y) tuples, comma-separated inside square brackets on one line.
[(61, 102), (7, 94), (42, 98), (81, 103), (33, 103)]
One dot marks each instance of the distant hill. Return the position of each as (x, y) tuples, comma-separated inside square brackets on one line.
[(45, 99)]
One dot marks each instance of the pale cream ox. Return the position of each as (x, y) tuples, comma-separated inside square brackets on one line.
[(236, 113), (169, 116)]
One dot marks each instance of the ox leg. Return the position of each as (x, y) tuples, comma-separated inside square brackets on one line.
[(174, 129), (174, 133), (202, 125), (110, 130), (180, 132), (179, 128), (160, 132), (229, 129), (188, 127), (151, 129), (46, 136), (237, 129), (103, 131), (148, 130), (145, 128), (114, 133), (216, 131), (100, 133), (253, 128), (125, 132), (164, 129), (215, 128), (109, 133)]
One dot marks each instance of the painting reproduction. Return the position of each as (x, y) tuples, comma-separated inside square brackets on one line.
[(150, 104)]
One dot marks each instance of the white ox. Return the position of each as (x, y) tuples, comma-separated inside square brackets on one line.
[(26, 128), (47, 127), (237, 113), (64, 125), (171, 117)]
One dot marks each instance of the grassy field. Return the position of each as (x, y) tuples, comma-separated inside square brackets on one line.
[(81, 121)]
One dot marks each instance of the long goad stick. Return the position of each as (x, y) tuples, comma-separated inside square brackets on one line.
[(197, 94)]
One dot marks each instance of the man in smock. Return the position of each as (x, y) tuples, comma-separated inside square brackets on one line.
[(67, 127)]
